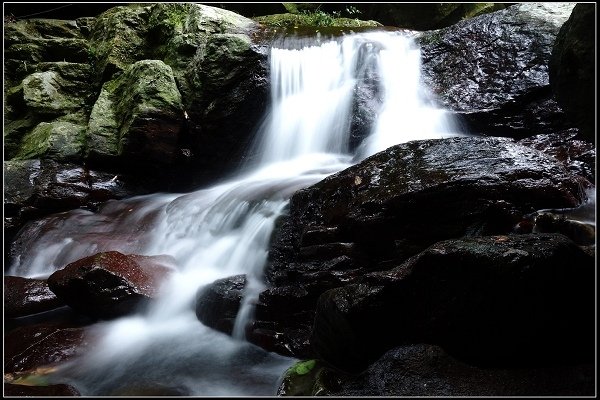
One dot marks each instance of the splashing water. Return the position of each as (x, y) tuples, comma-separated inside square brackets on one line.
[(224, 230)]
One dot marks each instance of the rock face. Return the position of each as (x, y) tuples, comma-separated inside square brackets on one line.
[(23, 296), (375, 215), (499, 80), (490, 301), (572, 68), (110, 284)]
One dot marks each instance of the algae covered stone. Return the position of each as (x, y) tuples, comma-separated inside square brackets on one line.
[(137, 114), (59, 140)]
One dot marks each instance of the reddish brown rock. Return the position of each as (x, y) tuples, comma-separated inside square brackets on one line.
[(110, 284), (31, 347), (24, 296)]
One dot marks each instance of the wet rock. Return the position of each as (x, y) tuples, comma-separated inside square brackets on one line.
[(501, 301), (375, 215), (572, 74), (217, 304), (31, 347), (25, 296), (499, 80), (427, 370), (577, 155), (35, 188), (111, 284), (59, 390)]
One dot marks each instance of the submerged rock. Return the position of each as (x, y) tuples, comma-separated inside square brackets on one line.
[(111, 284)]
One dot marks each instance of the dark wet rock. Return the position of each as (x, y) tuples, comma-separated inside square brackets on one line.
[(498, 82), (25, 296), (111, 284), (572, 73), (32, 347), (427, 370), (577, 155), (34, 188), (501, 301), (217, 304), (59, 390), (375, 215)]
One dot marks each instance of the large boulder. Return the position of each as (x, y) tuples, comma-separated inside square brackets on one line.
[(24, 296), (137, 117), (393, 205), (572, 73), (111, 284), (517, 300), (499, 80)]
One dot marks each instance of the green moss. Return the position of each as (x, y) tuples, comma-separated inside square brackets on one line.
[(58, 140), (315, 19), (304, 367)]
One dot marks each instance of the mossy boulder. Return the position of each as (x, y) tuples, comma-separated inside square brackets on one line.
[(59, 140), (138, 115), (307, 378), (117, 39), (28, 42), (42, 93)]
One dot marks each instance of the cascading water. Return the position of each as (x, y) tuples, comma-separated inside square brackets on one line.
[(225, 230)]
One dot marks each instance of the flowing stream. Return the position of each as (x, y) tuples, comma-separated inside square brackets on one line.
[(224, 230)]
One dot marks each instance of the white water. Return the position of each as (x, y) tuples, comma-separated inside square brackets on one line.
[(225, 230)]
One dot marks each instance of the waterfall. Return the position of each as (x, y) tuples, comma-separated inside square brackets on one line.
[(224, 230)]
